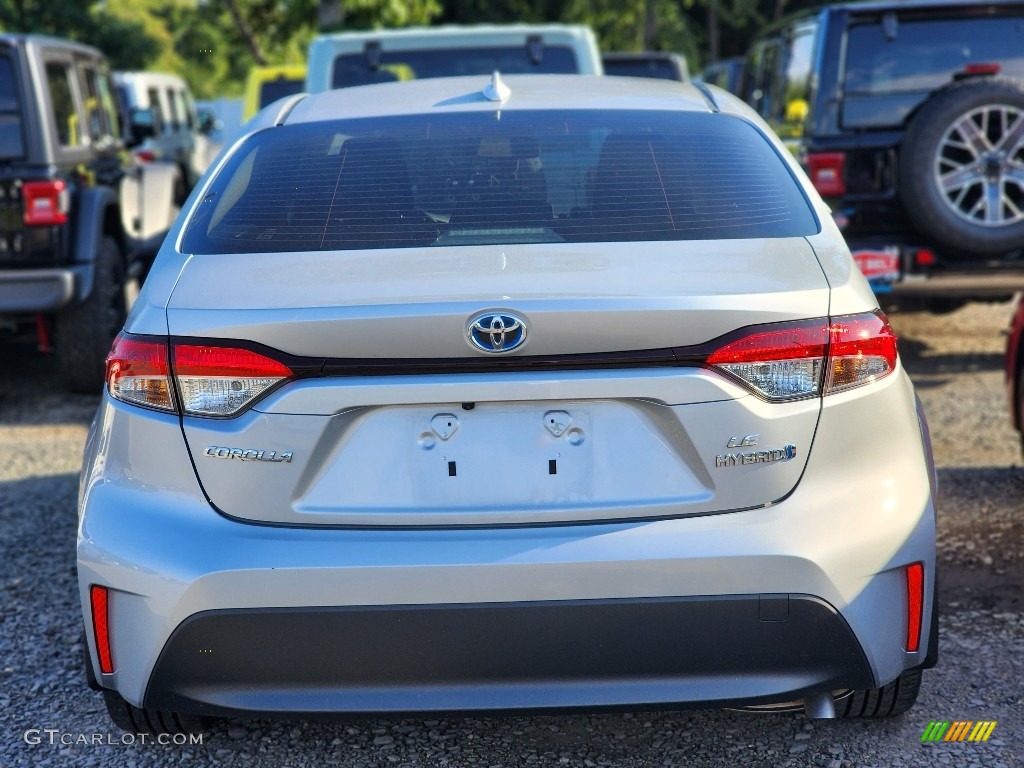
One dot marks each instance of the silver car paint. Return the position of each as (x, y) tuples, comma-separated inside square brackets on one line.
[(862, 510), (852, 522)]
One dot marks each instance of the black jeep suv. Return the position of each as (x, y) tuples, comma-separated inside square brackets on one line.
[(78, 217), (909, 118)]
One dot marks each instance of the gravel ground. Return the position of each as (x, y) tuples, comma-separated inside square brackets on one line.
[(956, 361)]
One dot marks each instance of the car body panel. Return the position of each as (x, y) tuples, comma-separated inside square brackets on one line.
[(505, 489), (576, 39), (840, 536)]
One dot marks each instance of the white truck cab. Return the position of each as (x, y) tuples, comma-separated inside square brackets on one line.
[(359, 58)]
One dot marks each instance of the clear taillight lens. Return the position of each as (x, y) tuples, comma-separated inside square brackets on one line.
[(788, 361), (138, 373), (221, 381), (779, 362)]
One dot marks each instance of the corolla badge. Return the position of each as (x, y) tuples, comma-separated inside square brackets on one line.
[(496, 332)]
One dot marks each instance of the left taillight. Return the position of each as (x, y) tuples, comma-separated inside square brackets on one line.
[(806, 358), (210, 380), (138, 372)]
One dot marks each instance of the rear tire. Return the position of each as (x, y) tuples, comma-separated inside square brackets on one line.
[(958, 167), (85, 331), (890, 700), (135, 720)]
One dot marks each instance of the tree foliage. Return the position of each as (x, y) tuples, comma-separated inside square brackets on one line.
[(214, 43)]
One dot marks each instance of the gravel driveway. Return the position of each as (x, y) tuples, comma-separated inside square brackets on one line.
[(49, 717)]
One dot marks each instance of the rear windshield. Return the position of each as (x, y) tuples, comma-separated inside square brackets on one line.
[(495, 178), (356, 68), (661, 69), (11, 141), (922, 56), (278, 88)]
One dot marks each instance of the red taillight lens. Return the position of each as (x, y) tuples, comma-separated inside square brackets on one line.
[(145, 155), (862, 349), (46, 203), (915, 605), (982, 69), (779, 362), (221, 381), (101, 627), (826, 171), (138, 373), (787, 361)]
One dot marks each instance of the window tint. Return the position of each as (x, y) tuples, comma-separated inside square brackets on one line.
[(69, 129), (924, 55), (107, 102), (354, 69), (158, 110), (100, 124), (172, 104), (469, 179), (656, 68), (272, 90), (11, 140), (782, 79)]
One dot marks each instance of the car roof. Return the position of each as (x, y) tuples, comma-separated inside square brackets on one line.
[(17, 38), (911, 5), (442, 35), (465, 94)]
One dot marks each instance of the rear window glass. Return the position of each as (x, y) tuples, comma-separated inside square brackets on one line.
[(11, 141), (272, 90), (495, 178), (379, 66), (924, 55), (656, 68)]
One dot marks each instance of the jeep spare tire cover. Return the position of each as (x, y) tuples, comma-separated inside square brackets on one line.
[(962, 167)]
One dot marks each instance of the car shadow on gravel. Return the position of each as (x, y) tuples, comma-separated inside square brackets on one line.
[(31, 391), (981, 539), (918, 359)]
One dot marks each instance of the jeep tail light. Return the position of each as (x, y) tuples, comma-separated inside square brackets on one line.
[(806, 358), (981, 69), (98, 599), (138, 373), (46, 203), (915, 605), (826, 171), (221, 381)]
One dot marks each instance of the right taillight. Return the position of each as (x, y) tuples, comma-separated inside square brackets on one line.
[(862, 349), (827, 170), (807, 358), (221, 381)]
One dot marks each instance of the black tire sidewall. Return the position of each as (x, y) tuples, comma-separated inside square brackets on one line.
[(85, 330), (922, 199)]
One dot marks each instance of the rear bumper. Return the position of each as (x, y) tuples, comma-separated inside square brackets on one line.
[(739, 649), (211, 614), (35, 290)]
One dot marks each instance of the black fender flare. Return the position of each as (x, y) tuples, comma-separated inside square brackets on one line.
[(96, 217)]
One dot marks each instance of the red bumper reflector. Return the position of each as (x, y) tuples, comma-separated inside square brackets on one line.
[(101, 627), (915, 605)]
